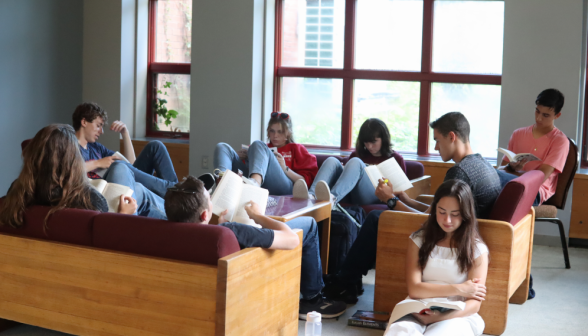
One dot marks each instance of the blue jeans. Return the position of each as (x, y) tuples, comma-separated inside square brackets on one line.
[(506, 177), (349, 183), (311, 278), (148, 204), (362, 254), (260, 160), (154, 158)]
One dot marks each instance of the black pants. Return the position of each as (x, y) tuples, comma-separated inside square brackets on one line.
[(362, 255)]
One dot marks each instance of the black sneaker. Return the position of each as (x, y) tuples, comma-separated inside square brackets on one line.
[(342, 292), (327, 308)]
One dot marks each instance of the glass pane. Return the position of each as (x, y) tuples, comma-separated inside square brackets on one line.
[(389, 35), (468, 37), (172, 106), (395, 103), (315, 107), (173, 40), (313, 33), (481, 106)]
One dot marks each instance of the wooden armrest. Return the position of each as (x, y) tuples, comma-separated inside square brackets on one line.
[(258, 292), (427, 199), (421, 185)]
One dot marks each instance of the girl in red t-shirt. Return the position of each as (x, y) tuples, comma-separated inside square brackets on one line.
[(350, 182), (274, 166)]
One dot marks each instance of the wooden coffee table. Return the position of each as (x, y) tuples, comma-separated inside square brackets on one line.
[(289, 208)]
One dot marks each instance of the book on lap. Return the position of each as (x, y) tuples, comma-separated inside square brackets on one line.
[(111, 192), (389, 169), (517, 157), (232, 194), (410, 306), (369, 319)]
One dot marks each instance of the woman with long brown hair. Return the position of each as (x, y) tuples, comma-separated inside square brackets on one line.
[(53, 174), (446, 258)]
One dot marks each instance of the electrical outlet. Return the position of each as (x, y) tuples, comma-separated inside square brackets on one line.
[(205, 162)]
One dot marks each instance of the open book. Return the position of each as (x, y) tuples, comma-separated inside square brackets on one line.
[(112, 192), (410, 306), (101, 171), (390, 170), (232, 194), (517, 157)]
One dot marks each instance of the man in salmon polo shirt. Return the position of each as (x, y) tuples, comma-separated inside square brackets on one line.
[(543, 140)]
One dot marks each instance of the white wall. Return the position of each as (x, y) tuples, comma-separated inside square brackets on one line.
[(227, 76), (109, 61), (40, 72), (543, 48)]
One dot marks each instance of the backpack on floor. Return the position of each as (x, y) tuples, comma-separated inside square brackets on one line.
[(345, 224)]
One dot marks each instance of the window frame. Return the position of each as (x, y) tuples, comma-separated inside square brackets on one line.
[(155, 68), (426, 76)]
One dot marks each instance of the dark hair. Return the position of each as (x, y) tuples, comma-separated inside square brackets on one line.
[(286, 127), (552, 98), (186, 204), (464, 239), (454, 122), (89, 112), (370, 130), (53, 174)]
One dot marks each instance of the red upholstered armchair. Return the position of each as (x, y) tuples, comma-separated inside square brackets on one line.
[(508, 234)]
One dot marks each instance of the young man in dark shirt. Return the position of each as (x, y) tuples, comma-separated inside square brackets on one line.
[(88, 121), (189, 202), (451, 134)]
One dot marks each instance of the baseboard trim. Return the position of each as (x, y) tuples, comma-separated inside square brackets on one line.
[(578, 242)]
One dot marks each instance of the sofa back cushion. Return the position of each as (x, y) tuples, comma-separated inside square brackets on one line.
[(517, 197), (72, 226), (159, 238), (320, 158)]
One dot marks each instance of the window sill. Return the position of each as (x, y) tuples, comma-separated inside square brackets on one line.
[(164, 140)]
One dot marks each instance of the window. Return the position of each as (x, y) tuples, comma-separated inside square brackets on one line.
[(170, 47), (407, 62)]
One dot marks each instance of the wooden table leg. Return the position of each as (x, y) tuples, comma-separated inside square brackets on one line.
[(325, 244)]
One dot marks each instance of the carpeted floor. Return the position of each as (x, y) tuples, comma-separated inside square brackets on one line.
[(560, 308)]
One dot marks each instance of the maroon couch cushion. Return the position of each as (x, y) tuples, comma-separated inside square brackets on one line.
[(517, 197), (72, 226), (414, 169), (320, 158), (197, 243)]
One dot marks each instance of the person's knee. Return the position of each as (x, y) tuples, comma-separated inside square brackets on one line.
[(332, 162), (355, 163), (258, 144), (155, 145), (118, 167)]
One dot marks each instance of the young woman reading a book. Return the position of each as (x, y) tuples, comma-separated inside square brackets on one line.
[(53, 174), (373, 146), (446, 258), (275, 170)]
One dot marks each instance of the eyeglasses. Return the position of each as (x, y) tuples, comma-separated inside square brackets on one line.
[(185, 191), (281, 115)]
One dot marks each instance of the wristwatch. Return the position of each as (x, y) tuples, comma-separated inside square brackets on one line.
[(391, 203)]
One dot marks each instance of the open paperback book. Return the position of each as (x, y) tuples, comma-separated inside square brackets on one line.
[(232, 194), (390, 170), (517, 157), (101, 171), (112, 192), (410, 306)]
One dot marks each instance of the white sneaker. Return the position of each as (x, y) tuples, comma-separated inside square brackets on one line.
[(300, 190), (250, 181), (323, 192)]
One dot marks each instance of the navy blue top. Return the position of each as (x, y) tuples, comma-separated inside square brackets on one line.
[(95, 151), (249, 236)]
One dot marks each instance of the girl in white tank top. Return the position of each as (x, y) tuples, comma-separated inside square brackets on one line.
[(446, 258)]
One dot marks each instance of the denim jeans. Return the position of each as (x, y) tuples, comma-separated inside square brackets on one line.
[(311, 278), (362, 255), (349, 182), (148, 203), (154, 157), (506, 177), (260, 160)]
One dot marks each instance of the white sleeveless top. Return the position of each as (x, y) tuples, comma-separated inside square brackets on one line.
[(442, 267)]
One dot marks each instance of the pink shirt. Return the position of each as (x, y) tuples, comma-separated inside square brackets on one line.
[(552, 149)]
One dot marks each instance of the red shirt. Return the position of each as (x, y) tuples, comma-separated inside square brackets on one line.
[(371, 160), (297, 158), (552, 149)]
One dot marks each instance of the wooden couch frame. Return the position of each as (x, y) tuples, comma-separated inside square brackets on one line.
[(511, 251), (89, 291)]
